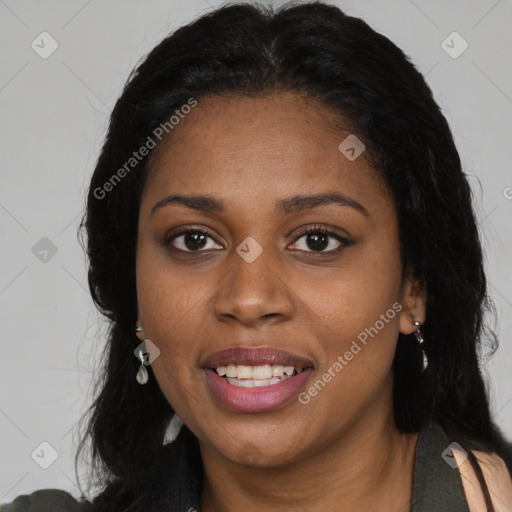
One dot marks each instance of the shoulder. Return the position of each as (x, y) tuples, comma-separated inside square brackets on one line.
[(496, 476), (45, 500)]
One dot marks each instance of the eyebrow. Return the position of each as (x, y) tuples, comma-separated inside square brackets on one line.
[(285, 206)]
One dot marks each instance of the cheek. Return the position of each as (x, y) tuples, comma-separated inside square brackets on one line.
[(354, 294), (355, 312), (169, 307), (356, 334), (167, 297)]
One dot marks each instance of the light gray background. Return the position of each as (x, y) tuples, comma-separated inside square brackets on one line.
[(54, 114)]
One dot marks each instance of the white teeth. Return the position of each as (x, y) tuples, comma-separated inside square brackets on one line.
[(261, 383), (288, 370), (258, 372), (262, 372), (244, 372), (277, 370), (253, 383), (248, 383), (231, 370)]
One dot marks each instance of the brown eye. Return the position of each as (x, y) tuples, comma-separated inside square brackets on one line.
[(190, 241), (318, 238)]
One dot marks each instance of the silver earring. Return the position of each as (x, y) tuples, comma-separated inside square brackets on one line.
[(142, 373), (420, 340), (138, 328)]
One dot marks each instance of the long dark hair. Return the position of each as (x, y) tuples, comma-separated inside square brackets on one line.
[(316, 50)]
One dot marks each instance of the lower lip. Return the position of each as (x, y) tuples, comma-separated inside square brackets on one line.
[(255, 399)]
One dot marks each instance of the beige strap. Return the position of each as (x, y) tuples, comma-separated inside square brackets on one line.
[(496, 475)]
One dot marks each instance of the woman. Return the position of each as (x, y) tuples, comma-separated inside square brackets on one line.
[(282, 237)]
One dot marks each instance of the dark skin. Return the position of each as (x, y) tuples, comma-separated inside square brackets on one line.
[(340, 451)]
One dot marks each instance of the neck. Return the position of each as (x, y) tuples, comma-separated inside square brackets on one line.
[(368, 468)]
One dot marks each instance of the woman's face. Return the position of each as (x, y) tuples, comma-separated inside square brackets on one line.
[(248, 278)]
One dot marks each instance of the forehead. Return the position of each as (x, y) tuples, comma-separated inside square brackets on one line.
[(258, 148)]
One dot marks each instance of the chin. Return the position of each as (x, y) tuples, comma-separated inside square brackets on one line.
[(253, 447)]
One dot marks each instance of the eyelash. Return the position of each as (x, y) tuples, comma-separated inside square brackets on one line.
[(313, 229)]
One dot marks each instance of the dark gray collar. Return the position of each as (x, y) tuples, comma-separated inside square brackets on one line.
[(437, 481)]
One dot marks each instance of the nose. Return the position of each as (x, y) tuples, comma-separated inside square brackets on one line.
[(253, 293)]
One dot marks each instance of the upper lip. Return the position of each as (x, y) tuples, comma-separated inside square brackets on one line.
[(251, 356)]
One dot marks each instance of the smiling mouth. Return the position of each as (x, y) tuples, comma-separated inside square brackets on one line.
[(245, 376)]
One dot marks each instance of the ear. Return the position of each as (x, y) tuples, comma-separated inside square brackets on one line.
[(414, 305)]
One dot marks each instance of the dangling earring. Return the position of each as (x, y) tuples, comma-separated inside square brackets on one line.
[(147, 352), (420, 340), (142, 373)]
